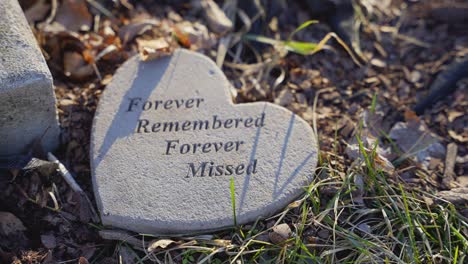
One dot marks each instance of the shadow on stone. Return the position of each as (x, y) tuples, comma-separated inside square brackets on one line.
[(252, 158), (125, 121)]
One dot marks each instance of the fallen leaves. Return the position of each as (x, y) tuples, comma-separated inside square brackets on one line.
[(280, 233), (75, 66), (284, 98), (48, 241), (194, 36), (461, 138), (130, 31), (160, 243), (366, 145), (215, 17), (354, 152), (415, 139), (181, 37), (154, 48), (74, 39), (74, 15)]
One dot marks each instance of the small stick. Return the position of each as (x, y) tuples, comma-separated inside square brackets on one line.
[(71, 181), (65, 173), (450, 159), (53, 12)]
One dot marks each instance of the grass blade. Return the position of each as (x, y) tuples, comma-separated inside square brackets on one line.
[(233, 200)]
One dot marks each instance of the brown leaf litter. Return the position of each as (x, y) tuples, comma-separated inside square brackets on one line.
[(406, 45)]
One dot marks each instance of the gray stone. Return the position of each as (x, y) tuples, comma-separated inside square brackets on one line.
[(27, 101), (457, 196), (148, 177), (215, 16), (415, 138)]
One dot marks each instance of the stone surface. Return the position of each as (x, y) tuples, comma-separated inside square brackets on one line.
[(27, 101), (148, 177)]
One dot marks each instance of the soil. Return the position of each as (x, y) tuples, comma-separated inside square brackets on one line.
[(404, 44)]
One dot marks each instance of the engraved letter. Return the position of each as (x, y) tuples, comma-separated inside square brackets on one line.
[(193, 173), (133, 102), (142, 123), (171, 145), (260, 122)]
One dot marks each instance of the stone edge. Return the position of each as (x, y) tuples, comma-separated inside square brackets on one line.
[(107, 219)]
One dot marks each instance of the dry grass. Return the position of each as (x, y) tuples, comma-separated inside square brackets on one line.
[(353, 212)]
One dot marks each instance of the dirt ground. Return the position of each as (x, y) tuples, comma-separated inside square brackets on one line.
[(403, 47)]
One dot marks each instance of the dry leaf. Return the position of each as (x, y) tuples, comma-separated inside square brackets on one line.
[(161, 243), (198, 35), (154, 49), (182, 38), (48, 241), (157, 44), (354, 152), (415, 139), (456, 136), (67, 102), (280, 233), (378, 63), (294, 204), (452, 115), (284, 98), (83, 260), (75, 66), (128, 32), (216, 18), (411, 116), (74, 15)]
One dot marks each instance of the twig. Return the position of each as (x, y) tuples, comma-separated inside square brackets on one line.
[(53, 12), (65, 173), (75, 187), (449, 175), (100, 8)]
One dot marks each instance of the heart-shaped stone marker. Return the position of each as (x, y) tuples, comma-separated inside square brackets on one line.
[(167, 140)]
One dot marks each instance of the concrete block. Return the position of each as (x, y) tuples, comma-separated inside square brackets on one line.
[(27, 100)]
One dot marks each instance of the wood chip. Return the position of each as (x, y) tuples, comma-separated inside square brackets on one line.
[(449, 175)]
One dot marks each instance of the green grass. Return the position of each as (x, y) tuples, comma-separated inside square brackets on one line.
[(357, 214), (232, 189), (393, 224), (301, 47), (350, 213)]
